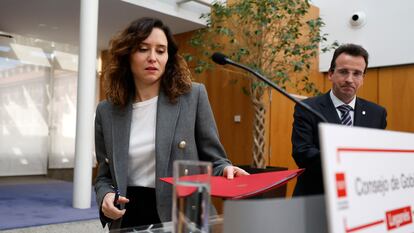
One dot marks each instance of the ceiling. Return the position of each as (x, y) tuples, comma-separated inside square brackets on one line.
[(58, 20)]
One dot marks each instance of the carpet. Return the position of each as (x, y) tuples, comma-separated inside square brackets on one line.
[(24, 205)]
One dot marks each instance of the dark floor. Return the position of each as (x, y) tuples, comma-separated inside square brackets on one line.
[(90, 226)]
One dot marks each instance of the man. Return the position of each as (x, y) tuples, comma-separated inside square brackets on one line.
[(341, 106)]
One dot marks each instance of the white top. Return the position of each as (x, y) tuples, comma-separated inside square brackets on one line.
[(337, 102), (141, 156)]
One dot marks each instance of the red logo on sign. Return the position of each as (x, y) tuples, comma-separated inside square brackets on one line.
[(399, 217), (340, 185)]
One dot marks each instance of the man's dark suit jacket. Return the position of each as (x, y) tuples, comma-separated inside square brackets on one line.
[(305, 136)]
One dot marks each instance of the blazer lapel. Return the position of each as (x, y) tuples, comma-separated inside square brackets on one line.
[(360, 118), (167, 116), (328, 109), (121, 126)]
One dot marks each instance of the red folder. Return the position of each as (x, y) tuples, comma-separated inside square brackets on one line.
[(246, 186)]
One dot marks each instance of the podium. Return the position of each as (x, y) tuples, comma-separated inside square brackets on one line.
[(216, 226), (296, 215)]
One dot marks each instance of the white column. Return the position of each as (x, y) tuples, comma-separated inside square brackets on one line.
[(82, 179)]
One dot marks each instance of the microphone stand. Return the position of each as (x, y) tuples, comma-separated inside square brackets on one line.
[(280, 90)]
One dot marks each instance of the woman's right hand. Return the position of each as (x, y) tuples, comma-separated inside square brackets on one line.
[(109, 209)]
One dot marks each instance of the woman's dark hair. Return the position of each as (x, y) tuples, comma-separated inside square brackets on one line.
[(350, 49), (119, 81)]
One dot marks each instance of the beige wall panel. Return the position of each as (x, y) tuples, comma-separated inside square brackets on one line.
[(396, 94), (184, 46), (224, 88), (281, 131), (369, 89)]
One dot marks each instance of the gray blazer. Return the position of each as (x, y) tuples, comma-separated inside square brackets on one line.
[(190, 120)]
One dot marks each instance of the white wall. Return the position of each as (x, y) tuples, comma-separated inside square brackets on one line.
[(189, 10), (388, 34)]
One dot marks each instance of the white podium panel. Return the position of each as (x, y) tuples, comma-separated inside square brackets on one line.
[(368, 179)]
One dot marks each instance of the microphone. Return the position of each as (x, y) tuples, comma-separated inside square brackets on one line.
[(222, 59), (6, 35)]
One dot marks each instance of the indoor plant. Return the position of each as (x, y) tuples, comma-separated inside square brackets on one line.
[(274, 37)]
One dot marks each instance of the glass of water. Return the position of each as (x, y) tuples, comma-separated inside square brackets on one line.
[(191, 203)]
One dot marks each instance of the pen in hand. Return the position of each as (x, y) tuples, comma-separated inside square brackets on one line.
[(116, 204)]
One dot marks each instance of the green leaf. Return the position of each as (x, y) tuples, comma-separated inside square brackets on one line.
[(188, 57), (272, 37)]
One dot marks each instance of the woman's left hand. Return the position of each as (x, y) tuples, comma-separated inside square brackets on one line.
[(232, 171)]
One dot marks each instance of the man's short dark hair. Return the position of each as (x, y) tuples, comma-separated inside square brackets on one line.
[(350, 49)]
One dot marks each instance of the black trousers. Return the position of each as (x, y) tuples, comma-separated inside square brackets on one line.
[(141, 208)]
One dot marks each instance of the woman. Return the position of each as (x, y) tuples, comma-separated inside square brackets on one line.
[(153, 115)]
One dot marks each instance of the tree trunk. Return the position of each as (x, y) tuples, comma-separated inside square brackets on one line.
[(259, 158)]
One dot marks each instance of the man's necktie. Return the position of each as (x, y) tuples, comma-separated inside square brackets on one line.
[(345, 116)]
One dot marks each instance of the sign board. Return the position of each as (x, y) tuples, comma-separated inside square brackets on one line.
[(368, 179)]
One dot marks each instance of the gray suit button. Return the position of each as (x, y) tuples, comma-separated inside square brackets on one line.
[(106, 160), (182, 144)]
